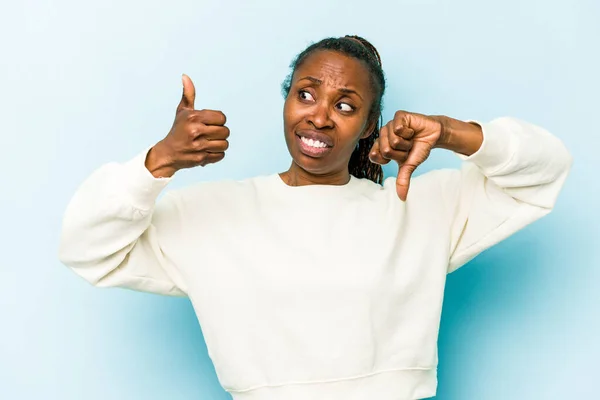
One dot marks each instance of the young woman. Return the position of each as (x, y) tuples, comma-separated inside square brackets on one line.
[(320, 282)]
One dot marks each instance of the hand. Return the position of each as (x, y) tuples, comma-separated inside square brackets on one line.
[(197, 137), (408, 140)]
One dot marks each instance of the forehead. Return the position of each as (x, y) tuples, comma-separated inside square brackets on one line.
[(335, 69)]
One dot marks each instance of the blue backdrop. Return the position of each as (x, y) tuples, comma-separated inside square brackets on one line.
[(84, 83)]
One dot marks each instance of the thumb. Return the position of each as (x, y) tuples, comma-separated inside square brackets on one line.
[(403, 180), (419, 153), (189, 94)]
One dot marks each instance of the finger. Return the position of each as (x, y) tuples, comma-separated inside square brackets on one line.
[(209, 132), (405, 120), (211, 158), (404, 132), (375, 154), (207, 146), (207, 117), (419, 153), (189, 94), (385, 148), (384, 144), (403, 180), (217, 146), (399, 143)]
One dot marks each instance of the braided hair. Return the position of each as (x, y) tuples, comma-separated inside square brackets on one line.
[(359, 48)]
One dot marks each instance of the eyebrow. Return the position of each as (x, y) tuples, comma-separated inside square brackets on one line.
[(319, 82)]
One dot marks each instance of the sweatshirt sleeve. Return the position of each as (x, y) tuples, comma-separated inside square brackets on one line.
[(512, 180), (113, 228)]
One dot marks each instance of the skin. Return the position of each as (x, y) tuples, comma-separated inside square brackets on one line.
[(330, 93), (320, 100), (197, 138), (408, 139)]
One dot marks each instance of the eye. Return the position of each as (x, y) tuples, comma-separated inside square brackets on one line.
[(304, 95), (345, 107)]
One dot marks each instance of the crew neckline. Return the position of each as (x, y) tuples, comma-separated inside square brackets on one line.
[(280, 182)]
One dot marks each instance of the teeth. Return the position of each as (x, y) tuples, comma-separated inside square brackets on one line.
[(313, 143)]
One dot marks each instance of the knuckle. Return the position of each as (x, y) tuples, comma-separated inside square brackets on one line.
[(199, 145), (400, 117), (188, 115), (200, 157), (200, 130), (386, 151), (191, 133)]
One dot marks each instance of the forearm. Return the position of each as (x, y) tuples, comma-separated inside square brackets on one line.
[(524, 160), (460, 137)]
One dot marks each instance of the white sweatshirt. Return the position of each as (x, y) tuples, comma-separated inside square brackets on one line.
[(317, 292)]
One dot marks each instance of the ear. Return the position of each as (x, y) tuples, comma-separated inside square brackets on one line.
[(371, 125)]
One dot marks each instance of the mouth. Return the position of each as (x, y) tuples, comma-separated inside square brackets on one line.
[(314, 144)]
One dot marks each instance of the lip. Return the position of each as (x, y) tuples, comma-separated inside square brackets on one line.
[(312, 152), (314, 135)]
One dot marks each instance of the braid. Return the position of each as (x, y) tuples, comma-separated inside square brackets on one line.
[(360, 165), (368, 45), (357, 47)]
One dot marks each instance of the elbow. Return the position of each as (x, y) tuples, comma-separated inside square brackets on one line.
[(70, 255), (564, 159), (557, 173), (67, 257)]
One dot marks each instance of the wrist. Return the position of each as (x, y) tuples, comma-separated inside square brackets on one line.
[(459, 136), (158, 164)]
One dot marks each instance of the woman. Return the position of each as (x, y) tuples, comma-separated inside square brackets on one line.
[(294, 299)]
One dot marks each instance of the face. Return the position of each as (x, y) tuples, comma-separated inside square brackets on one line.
[(326, 112)]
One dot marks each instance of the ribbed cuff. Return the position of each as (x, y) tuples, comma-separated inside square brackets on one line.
[(497, 148), (142, 186)]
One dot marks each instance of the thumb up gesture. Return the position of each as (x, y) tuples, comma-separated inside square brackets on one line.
[(197, 137)]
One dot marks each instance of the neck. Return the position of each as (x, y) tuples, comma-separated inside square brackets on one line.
[(296, 176)]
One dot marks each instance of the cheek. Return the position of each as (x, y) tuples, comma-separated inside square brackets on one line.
[(353, 127), (287, 112), (291, 114)]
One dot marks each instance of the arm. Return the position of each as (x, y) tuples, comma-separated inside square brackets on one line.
[(113, 230), (512, 174)]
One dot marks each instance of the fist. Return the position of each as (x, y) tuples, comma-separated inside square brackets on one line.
[(197, 137), (408, 139)]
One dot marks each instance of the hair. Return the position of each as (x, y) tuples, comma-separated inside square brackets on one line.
[(359, 48)]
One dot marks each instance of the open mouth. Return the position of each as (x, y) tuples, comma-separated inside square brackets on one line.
[(312, 147), (313, 142)]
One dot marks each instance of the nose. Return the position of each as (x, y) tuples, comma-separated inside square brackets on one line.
[(319, 116)]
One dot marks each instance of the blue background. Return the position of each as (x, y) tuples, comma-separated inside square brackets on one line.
[(84, 83)]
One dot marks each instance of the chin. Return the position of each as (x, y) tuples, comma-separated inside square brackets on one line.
[(313, 165)]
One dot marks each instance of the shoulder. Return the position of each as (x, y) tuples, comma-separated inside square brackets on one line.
[(219, 192)]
